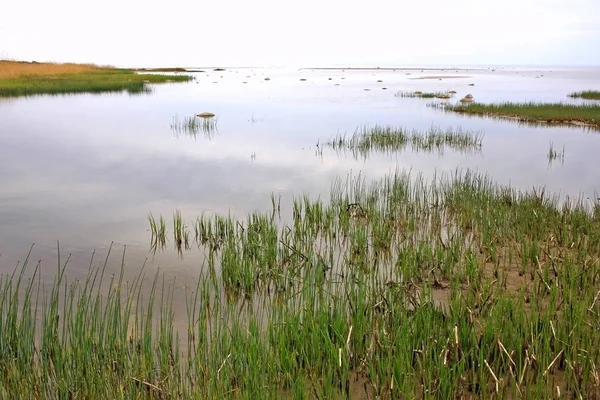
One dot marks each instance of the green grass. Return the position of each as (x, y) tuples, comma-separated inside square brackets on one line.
[(427, 95), (451, 287), (101, 81), (387, 139), (587, 94), (193, 126), (536, 112)]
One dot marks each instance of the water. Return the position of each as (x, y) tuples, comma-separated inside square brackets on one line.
[(85, 170)]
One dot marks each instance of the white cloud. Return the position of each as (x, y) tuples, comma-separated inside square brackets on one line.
[(269, 32)]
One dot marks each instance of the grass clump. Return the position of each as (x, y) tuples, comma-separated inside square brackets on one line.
[(26, 79), (553, 113), (193, 126), (389, 139), (554, 154), (426, 95), (586, 94)]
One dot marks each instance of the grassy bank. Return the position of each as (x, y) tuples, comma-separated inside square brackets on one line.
[(401, 288), (586, 94), (554, 113), (25, 79)]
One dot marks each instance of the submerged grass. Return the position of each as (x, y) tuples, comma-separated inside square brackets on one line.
[(452, 287), (554, 113), (587, 94), (389, 139), (25, 79)]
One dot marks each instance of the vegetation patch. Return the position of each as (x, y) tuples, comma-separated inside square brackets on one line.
[(552, 113), (426, 95), (587, 94), (26, 79), (387, 139)]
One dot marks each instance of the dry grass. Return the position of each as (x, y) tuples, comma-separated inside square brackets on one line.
[(15, 69)]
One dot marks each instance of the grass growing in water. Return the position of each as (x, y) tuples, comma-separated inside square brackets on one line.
[(588, 114), (25, 79), (331, 304), (390, 139), (429, 95), (192, 126), (554, 154), (587, 94)]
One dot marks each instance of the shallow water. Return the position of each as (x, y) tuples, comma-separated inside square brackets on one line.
[(86, 170)]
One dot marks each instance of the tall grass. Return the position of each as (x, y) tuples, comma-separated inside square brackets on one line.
[(15, 69), (452, 287)]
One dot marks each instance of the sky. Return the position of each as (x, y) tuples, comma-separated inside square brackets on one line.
[(336, 33)]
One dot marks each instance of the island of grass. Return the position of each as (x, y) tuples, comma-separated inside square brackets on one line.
[(586, 94), (32, 78), (552, 113)]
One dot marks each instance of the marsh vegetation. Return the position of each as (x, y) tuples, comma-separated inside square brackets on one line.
[(426, 95), (405, 287), (586, 94), (193, 126), (388, 139), (552, 113), (25, 79)]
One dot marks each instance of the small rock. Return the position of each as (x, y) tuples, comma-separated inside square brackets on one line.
[(383, 88), (205, 115), (469, 96), (267, 79), (367, 90), (452, 92), (418, 92), (466, 100), (329, 79), (379, 81), (303, 79), (471, 84)]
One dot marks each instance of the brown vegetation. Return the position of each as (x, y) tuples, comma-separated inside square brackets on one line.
[(15, 69)]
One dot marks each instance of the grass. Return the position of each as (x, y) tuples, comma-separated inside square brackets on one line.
[(554, 154), (586, 94), (193, 126), (452, 287), (556, 113), (170, 69), (427, 95), (26, 79), (389, 139)]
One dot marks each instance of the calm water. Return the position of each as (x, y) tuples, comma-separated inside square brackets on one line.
[(86, 170)]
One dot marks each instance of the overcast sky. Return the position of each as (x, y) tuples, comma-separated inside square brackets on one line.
[(306, 33)]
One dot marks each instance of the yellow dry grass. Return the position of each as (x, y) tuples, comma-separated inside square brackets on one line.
[(15, 69)]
